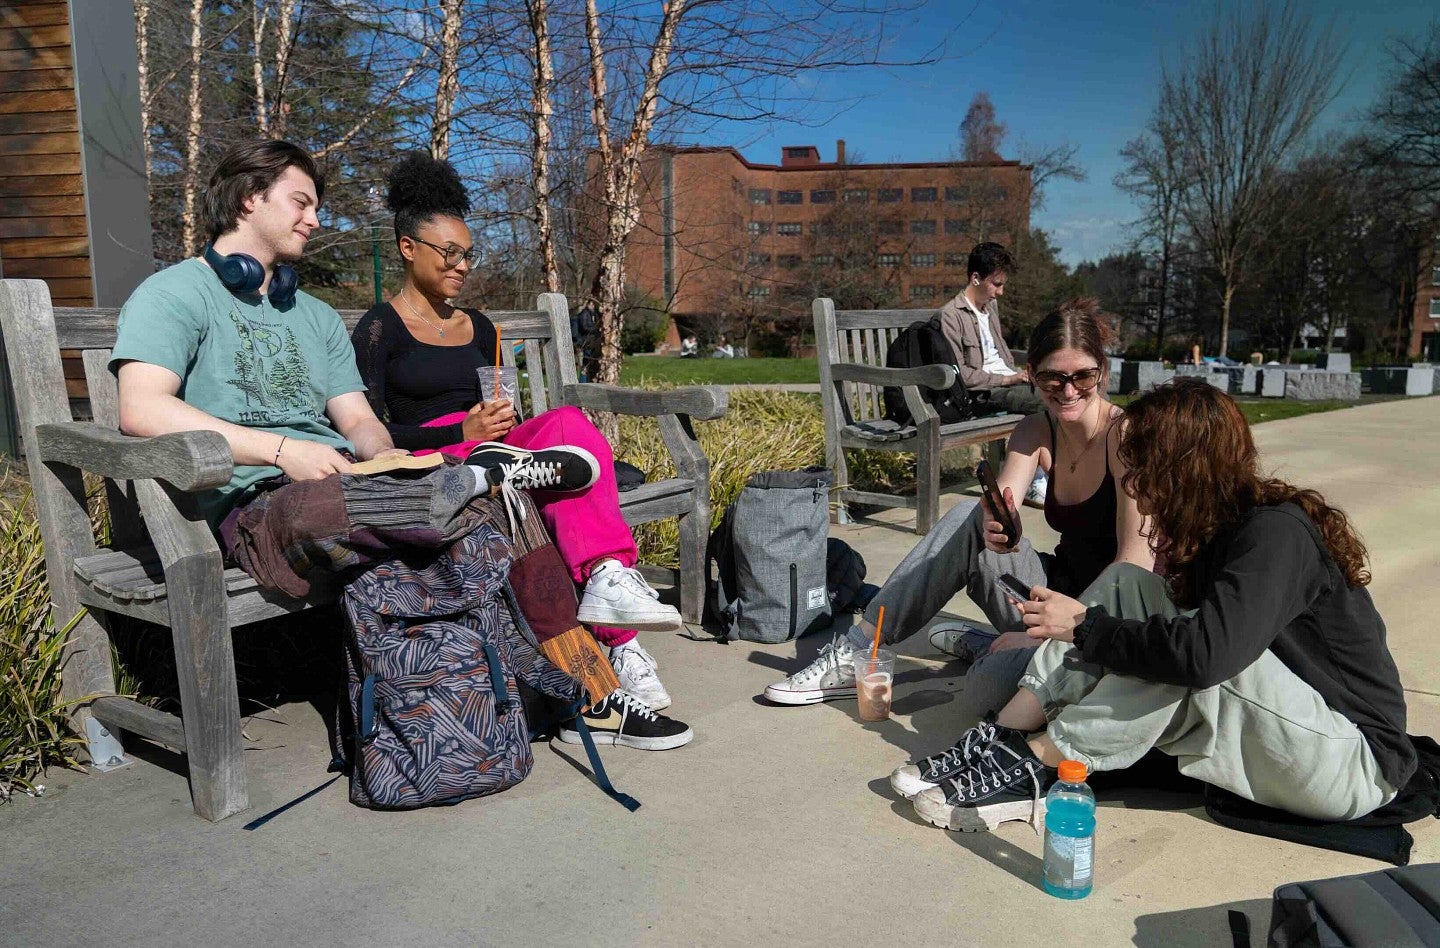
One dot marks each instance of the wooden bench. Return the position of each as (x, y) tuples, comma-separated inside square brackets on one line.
[(851, 347), (163, 564)]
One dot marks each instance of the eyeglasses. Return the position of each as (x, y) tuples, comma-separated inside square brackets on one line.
[(1084, 380), (452, 255)]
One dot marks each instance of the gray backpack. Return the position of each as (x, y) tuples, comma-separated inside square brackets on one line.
[(769, 552)]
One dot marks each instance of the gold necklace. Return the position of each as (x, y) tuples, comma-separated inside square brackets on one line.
[(438, 328), (1090, 443)]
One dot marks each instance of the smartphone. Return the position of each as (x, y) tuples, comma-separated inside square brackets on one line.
[(1011, 525), (1017, 589)]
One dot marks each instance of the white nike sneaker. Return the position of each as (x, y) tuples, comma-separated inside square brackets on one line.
[(830, 676), (618, 596), (635, 668)]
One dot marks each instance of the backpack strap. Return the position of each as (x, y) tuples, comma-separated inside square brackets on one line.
[(720, 550), (601, 777)]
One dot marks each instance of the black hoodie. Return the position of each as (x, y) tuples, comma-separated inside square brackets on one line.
[(1272, 584)]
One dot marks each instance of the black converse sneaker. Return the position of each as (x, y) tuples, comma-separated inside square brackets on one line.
[(563, 467), (916, 777), (1005, 781), (624, 719)]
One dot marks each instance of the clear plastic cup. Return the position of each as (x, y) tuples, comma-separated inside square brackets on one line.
[(508, 387), (874, 683)]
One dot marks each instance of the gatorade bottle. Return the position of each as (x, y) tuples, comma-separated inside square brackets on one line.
[(1069, 834)]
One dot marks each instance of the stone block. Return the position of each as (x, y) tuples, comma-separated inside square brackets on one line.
[(1272, 382), (1320, 385), (1244, 379), (1117, 366), (1219, 379), (1143, 376), (1400, 380), (1333, 361)]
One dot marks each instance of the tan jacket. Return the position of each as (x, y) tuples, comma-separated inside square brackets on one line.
[(958, 323)]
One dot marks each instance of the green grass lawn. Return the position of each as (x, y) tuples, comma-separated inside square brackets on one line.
[(703, 371)]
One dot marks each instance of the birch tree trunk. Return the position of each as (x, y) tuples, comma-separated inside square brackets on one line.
[(142, 57), (542, 110), (619, 173), (192, 132), (257, 65), (284, 44), (447, 85)]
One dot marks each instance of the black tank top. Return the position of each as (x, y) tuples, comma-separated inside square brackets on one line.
[(1087, 529)]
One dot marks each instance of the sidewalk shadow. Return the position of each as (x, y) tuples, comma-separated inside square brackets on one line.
[(1206, 925)]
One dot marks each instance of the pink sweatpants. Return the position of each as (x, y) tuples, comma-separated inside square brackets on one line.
[(586, 525)]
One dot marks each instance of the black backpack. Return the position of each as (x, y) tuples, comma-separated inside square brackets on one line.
[(920, 344)]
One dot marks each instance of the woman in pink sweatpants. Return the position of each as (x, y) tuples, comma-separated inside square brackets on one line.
[(418, 357)]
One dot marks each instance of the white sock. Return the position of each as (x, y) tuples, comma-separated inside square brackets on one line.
[(482, 480)]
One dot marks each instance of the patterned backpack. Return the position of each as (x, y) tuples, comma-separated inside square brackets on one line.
[(436, 660)]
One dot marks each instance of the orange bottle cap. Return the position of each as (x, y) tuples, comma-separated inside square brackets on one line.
[(1072, 771)]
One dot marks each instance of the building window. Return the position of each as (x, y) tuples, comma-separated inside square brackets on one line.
[(1435, 276), (759, 195), (789, 197), (956, 260), (922, 195), (889, 228), (888, 260), (759, 228), (822, 197), (954, 226), (735, 185), (822, 259), (923, 228), (797, 153), (857, 195), (957, 195), (922, 260), (922, 291), (1435, 308), (788, 230), (758, 259), (890, 195), (999, 195), (788, 260), (950, 291), (759, 292)]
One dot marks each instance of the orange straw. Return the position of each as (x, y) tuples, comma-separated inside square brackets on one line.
[(497, 363), (879, 624)]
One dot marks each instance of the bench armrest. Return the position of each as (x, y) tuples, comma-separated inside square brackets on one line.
[(928, 376), (187, 460), (698, 401)]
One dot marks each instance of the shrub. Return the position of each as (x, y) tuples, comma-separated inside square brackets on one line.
[(35, 731)]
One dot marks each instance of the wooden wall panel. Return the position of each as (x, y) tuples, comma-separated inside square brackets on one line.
[(43, 247), (58, 100), (29, 167), (37, 37), (45, 227), (37, 185), (68, 205), (36, 14), (53, 143), (15, 123), (36, 79), (43, 268)]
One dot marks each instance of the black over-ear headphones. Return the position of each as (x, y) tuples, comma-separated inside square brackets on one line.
[(242, 273)]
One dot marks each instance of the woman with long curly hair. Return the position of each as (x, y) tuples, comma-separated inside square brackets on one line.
[(1275, 683)]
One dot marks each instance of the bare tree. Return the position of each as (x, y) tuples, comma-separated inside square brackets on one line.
[(1154, 176), (284, 47), (447, 84), (1243, 100), (542, 109), (259, 16), (192, 130), (1405, 122), (980, 134)]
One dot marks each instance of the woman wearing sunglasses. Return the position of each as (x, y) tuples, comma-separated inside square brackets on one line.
[(418, 356), (1073, 440)]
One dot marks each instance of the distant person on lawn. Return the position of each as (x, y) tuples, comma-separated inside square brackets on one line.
[(418, 354), (1274, 682)]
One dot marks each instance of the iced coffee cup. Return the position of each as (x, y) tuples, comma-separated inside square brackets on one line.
[(500, 382), (874, 683)]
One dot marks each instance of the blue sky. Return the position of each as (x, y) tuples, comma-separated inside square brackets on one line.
[(1084, 73)]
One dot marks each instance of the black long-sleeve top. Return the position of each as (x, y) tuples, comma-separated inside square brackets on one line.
[(409, 382), (1272, 584)]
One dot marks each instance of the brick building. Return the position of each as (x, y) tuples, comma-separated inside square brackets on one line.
[(732, 246), (1425, 327)]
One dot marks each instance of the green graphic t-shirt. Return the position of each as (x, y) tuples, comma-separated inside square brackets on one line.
[(241, 360)]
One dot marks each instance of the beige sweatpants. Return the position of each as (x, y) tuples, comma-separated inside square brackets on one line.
[(1264, 734)]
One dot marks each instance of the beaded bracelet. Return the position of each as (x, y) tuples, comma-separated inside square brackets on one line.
[(283, 439)]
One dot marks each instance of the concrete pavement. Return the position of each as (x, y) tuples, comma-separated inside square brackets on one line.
[(775, 825)]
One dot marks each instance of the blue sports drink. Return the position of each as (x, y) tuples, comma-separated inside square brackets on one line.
[(1069, 866)]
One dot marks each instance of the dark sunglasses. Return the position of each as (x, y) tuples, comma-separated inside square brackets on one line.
[(1053, 382), (452, 255)]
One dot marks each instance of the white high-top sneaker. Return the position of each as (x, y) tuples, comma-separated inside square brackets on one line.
[(830, 676), (635, 668)]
